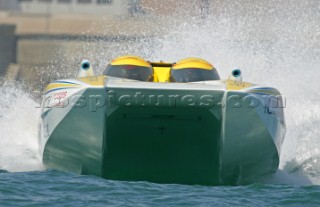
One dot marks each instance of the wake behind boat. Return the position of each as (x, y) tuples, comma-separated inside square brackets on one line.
[(162, 122)]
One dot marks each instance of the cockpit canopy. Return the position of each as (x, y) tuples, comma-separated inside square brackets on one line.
[(184, 71), (130, 67), (193, 70)]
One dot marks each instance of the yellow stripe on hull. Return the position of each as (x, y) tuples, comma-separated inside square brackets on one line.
[(231, 85), (94, 80), (97, 81)]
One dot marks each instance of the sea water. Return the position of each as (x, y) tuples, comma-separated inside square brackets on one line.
[(274, 43)]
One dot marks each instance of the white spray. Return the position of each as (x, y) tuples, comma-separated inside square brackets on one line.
[(19, 118), (274, 43)]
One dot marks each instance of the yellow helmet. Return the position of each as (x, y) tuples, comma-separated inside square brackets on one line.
[(130, 67), (193, 70)]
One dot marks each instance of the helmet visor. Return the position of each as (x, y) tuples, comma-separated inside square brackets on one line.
[(133, 72), (193, 75)]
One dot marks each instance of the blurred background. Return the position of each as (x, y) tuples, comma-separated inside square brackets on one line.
[(41, 40)]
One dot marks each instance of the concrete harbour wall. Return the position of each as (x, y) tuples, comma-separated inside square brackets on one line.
[(7, 47)]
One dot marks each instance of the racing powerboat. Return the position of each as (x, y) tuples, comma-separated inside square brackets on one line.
[(168, 127)]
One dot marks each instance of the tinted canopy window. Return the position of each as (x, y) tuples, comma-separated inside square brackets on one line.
[(193, 75), (129, 72)]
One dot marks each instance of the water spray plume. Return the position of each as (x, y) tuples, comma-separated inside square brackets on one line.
[(274, 43)]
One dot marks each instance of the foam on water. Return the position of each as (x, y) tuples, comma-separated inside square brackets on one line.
[(18, 130), (275, 43)]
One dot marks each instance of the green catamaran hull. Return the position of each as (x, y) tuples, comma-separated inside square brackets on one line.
[(162, 132)]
